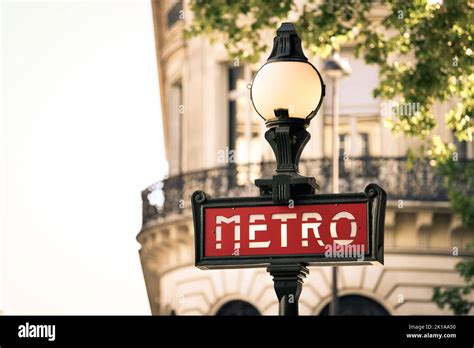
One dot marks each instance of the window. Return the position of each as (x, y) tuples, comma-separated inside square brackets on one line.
[(342, 145), (357, 305), (358, 147), (175, 127), (351, 149), (245, 145), (237, 308), (234, 75), (175, 12), (364, 144), (461, 148)]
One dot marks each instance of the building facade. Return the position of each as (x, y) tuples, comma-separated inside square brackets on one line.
[(214, 142)]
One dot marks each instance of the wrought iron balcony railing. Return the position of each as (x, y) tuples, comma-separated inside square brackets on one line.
[(418, 182)]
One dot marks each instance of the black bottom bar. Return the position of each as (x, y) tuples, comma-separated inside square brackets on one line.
[(450, 331)]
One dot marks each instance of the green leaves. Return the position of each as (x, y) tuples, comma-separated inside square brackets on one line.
[(453, 298), (238, 24), (458, 178), (457, 298)]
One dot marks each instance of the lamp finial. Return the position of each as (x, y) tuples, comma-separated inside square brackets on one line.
[(287, 44)]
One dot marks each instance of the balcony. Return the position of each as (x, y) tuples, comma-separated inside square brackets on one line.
[(415, 182)]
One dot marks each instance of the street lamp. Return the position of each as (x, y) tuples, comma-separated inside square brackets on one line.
[(287, 92), (335, 67)]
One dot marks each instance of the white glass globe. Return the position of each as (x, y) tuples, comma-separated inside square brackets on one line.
[(292, 85)]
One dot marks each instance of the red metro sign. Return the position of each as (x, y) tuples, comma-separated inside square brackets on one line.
[(282, 230), (316, 229)]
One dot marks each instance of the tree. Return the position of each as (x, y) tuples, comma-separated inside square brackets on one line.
[(423, 50), (456, 298)]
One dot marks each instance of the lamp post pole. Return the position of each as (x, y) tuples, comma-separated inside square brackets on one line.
[(335, 177), (336, 68), (288, 283), (287, 135), (335, 135)]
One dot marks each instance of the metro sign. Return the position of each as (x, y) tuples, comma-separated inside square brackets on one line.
[(314, 229)]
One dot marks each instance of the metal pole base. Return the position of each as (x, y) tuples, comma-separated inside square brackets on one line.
[(288, 282)]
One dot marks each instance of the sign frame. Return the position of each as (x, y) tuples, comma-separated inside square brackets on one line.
[(373, 195)]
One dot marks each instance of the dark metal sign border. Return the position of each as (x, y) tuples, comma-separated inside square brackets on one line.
[(373, 194)]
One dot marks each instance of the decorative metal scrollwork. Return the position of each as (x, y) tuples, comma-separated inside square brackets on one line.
[(417, 182)]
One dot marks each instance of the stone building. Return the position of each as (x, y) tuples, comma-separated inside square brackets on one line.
[(208, 119)]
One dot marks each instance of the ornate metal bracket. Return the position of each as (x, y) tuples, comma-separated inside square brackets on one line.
[(287, 137), (288, 283)]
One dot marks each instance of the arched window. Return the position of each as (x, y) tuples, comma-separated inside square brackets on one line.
[(357, 305), (237, 307)]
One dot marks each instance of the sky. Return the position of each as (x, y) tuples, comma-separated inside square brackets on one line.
[(81, 136)]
